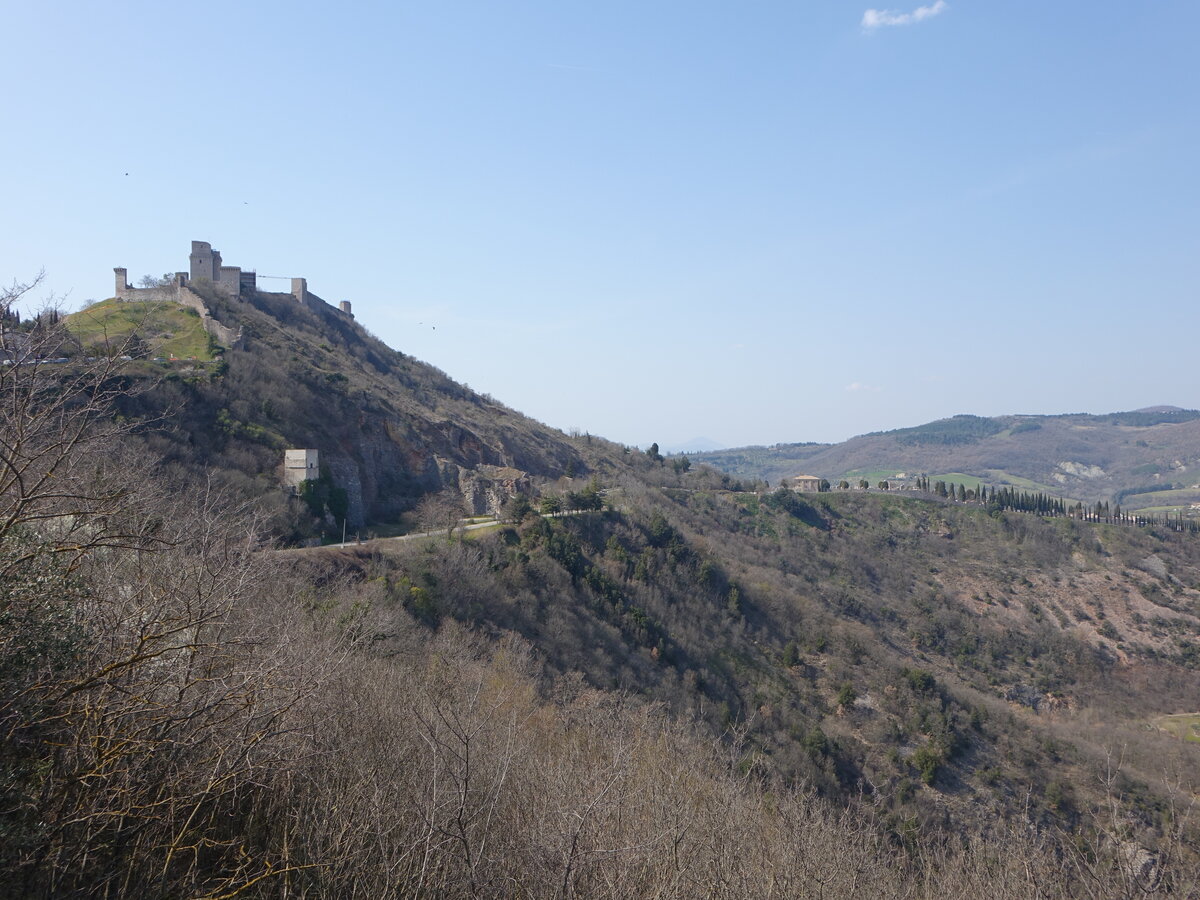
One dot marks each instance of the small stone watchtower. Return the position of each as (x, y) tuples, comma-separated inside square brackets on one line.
[(300, 466)]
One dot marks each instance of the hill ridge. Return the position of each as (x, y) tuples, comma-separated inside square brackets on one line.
[(1078, 456)]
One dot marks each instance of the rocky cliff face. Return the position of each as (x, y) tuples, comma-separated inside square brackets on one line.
[(486, 489)]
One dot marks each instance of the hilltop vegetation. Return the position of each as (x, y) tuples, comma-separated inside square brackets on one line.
[(143, 329), (951, 432)]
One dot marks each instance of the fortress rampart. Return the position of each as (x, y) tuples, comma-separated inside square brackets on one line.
[(177, 291), (205, 267)]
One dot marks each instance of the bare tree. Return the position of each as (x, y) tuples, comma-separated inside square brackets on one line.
[(141, 705), (443, 509), (56, 427)]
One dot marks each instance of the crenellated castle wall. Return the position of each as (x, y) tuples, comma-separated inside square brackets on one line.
[(205, 265), (178, 292)]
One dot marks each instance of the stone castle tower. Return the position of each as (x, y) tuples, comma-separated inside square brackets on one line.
[(205, 266)]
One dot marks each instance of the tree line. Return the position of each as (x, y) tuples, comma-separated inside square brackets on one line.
[(1009, 499)]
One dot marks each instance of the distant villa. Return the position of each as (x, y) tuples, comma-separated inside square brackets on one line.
[(805, 483)]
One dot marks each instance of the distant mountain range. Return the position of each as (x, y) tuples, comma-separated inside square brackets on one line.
[(1144, 459)]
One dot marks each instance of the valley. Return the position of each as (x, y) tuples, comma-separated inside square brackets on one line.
[(1142, 460)]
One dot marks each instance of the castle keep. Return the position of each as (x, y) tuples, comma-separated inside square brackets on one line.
[(205, 263)]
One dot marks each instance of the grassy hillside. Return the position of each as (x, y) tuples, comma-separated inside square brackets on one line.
[(155, 328), (1185, 727)]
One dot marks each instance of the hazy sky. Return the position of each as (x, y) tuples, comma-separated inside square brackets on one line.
[(757, 221)]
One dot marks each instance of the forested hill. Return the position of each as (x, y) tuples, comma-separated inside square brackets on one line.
[(390, 429), (1141, 459), (644, 679)]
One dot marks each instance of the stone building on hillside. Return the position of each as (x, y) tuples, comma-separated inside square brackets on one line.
[(300, 466), (205, 266), (804, 483)]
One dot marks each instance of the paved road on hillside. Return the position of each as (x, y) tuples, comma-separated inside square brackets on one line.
[(438, 532), (413, 536)]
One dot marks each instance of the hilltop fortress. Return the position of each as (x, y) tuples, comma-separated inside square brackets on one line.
[(204, 267)]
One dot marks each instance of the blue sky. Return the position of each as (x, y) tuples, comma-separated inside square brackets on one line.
[(760, 221)]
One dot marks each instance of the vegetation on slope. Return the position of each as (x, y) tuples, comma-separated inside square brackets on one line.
[(143, 329), (962, 429), (638, 701), (935, 655), (390, 429)]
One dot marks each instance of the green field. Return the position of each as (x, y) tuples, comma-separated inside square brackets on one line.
[(1185, 726), (162, 328)]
